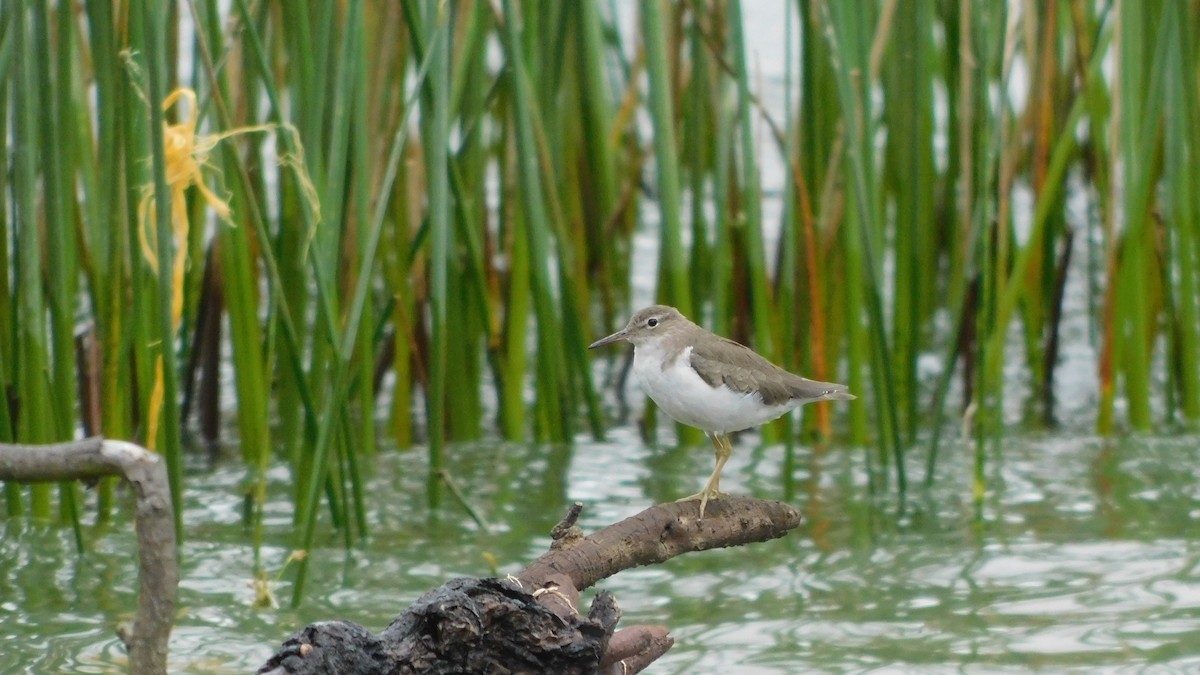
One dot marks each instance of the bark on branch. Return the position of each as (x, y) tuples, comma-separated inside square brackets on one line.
[(158, 573), (659, 534), (531, 622)]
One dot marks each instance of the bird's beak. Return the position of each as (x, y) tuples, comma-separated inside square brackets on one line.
[(615, 337)]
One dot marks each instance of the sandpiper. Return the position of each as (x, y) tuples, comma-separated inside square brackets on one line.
[(715, 384)]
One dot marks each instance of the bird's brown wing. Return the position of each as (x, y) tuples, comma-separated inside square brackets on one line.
[(738, 367)]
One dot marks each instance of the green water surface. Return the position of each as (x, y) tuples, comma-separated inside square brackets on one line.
[(1085, 558)]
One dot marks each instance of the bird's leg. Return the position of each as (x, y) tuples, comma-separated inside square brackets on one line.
[(724, 448)]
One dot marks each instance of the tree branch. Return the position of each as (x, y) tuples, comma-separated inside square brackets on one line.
[(94, 457), (531, 622), (659, 534)]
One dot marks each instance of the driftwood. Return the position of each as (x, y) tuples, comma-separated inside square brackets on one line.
[(146, 639), (529, 623)]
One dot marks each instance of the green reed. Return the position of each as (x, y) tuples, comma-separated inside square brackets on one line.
[(433, 208), (162, 332), (677, 290), (1181, 133), (850, 35)]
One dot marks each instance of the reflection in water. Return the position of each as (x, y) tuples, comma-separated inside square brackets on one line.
[(1087, 556)]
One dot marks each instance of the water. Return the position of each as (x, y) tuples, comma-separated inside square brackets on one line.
[(1085, 557)]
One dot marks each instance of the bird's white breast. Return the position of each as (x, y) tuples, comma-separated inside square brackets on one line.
[(687, 398)]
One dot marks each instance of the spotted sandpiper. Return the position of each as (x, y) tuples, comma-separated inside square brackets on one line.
[(715, 384)]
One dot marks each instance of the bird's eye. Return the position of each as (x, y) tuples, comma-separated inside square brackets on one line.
[(652, 322)]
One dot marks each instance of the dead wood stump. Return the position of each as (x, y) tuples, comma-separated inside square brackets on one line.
[(530, 623)]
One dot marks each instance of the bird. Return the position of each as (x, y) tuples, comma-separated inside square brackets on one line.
[(710, 382)]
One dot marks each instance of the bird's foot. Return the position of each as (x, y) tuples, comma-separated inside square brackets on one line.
[(704, 496)]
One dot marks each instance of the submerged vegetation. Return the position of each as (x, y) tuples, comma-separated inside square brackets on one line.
[(398, 211)]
